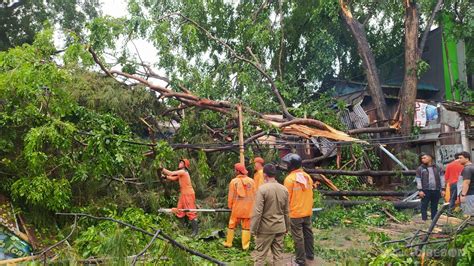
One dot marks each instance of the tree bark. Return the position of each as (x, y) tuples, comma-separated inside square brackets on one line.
[(410, 81), (368, 61)]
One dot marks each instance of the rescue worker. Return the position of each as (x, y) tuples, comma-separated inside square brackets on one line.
[(187, 198), (258, 175), (270, 221), (240, 200), (300, 191)]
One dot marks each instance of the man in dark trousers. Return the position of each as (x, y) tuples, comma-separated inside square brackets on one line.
[(467, 188), (430, 184), (270, 220), (300, 192)]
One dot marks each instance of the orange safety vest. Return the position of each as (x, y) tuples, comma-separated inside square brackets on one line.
[(300, 190), (258, 179), (185, 185), (241, 196)]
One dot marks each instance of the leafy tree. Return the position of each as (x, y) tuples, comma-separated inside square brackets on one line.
[(20, 20), (49, 145)]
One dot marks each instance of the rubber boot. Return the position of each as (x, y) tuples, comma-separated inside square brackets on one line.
[(245, 239), (230, 238), (195, 227)]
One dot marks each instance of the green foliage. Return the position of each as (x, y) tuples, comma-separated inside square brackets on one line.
[(49, 145), (389, 257), (324, 108), (465, 241), (357, 216), (421, 68), (54, 194)]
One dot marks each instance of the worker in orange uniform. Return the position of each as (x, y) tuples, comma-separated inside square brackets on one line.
[(258, 175), (300, 192), (240, 200), (187, 198)]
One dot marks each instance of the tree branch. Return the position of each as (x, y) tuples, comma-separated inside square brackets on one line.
[(273, 86), (98, 62), (146, 247), (256, 65)]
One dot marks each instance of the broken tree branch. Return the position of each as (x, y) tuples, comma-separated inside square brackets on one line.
[(432, 226), (365, 193), (350, 203), (146, 247), (368, 60)]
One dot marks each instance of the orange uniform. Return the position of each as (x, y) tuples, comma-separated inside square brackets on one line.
[(258, 179), (240, 200), (300, 189), (187, 199)]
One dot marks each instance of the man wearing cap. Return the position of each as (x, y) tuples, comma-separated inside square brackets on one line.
[(187, 198), (300, 190), (258, 175), (270, 221), (240, 200)]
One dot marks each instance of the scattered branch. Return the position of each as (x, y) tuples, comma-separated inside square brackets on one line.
[(44, 251)]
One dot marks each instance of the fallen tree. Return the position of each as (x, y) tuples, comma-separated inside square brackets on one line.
[(396, 204)]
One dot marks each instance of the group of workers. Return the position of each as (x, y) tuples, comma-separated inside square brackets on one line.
[(261, 206), (268, 210), (432, 186)]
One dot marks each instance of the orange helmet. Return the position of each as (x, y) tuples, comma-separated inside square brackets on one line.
[(259, 160), (186, 162), (240, 167)]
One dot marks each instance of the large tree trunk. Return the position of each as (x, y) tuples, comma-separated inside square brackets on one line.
[(410, 81), (368, 60)]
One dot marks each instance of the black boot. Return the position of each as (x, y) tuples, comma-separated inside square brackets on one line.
[(195, 227)]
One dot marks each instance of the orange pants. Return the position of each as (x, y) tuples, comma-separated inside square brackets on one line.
[(187, 201), (234, 221)]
